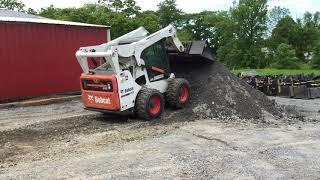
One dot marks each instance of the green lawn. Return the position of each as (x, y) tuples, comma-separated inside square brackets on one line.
[(280, 71)]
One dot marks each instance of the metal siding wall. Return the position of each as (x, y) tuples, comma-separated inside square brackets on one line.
[(39, 59)]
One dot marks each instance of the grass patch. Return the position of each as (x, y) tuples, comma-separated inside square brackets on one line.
[(280, 71)]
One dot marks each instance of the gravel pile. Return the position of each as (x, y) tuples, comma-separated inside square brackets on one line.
[(216, 92)]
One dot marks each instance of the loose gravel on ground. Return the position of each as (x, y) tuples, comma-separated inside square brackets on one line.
[(93, 145), (229, 130)]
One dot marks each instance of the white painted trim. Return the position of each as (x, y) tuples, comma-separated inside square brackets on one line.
[(48, 21), (108, 35)]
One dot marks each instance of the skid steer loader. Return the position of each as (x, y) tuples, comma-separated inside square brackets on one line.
[(131, 74)]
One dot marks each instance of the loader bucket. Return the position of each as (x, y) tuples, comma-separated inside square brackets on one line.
[(198, 51)]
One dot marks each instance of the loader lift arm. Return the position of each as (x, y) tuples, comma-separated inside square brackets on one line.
[(166, 32), (140, 42)]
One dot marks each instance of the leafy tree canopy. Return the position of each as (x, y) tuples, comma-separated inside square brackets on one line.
[(275, 15), (248, 35), (316, 56), (168, 13), (12, 5), (285, 58)]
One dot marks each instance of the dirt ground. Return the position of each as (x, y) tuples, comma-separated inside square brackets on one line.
[(65, 141)]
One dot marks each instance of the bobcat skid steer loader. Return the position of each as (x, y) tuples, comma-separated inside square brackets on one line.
[(131, 74)]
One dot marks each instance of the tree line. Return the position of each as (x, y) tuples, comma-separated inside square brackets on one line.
[(247, 35)]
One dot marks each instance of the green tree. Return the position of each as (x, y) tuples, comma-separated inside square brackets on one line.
[(302, 34), (128, 7), (131, 8), (200, 26), (285, 57), (184, 35), (93, 14), (286, 31), (215, 27), (230, 54), (310, 35), (275, 15), (316, 56), (169, 13), (148, 20), (49, 12), (115, 5), (12, 5), (32, 11), (316, 19), (250, 18)]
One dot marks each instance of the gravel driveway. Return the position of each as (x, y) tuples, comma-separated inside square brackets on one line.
[(64, 141)]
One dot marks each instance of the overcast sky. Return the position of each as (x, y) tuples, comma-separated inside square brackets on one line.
[(297, 7)]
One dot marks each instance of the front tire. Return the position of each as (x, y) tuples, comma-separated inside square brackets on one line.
[(178, 93), (149, 104)]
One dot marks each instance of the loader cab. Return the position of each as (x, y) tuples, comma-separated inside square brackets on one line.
[(156, 61)]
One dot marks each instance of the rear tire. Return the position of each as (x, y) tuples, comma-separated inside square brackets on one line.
[(178, 93), (149, 104)]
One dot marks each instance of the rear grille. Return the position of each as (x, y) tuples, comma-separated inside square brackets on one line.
[(97, 85)]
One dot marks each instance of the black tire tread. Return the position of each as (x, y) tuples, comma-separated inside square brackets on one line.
[(172, 94), (141, 107)]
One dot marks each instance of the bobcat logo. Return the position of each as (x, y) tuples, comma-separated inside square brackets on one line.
[(99, 100), (90, 98)]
